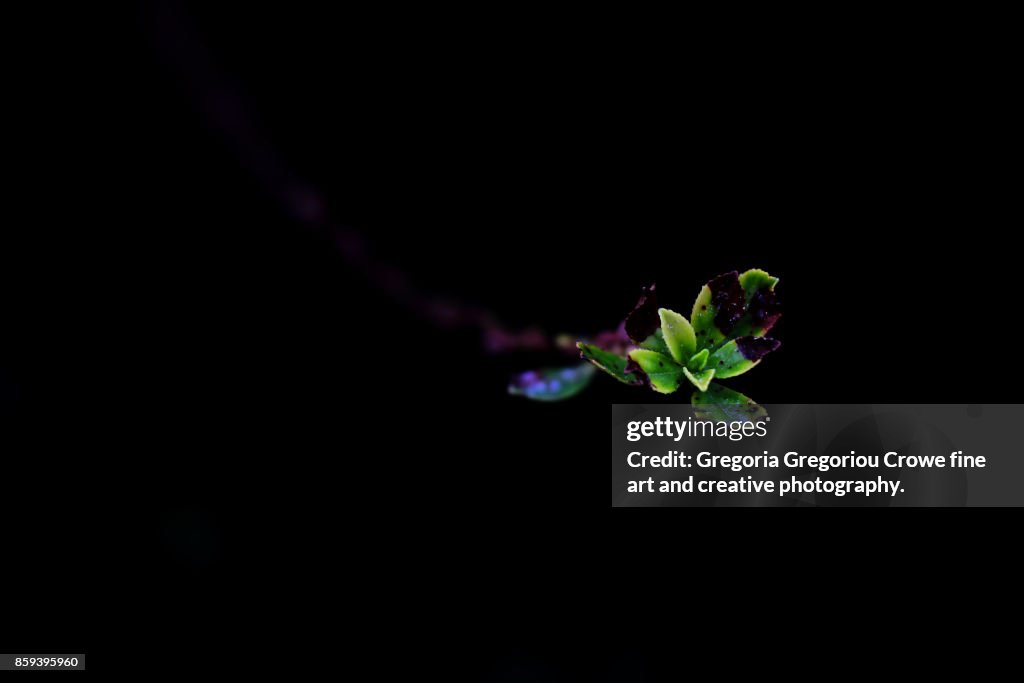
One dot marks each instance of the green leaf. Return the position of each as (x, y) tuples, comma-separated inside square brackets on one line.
[(703, 319), (700, 379), (609, 362), (728, 361), (755, 280), (739, 355), (678, 335), (655, 342), (661, 371), (719, 306), (762, 304), (698, 360), (721, 404), (553, 384), (732, 306)]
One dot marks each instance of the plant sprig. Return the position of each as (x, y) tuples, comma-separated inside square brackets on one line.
[(724, 337)]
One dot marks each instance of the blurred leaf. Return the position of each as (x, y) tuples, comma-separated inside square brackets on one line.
[(552, 384), (721, 404)]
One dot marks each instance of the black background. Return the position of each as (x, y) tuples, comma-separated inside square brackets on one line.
[(271, 441)]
